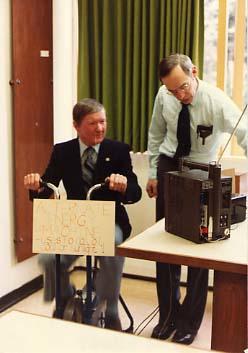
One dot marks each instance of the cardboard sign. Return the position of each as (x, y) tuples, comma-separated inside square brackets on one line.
[(75, 227)]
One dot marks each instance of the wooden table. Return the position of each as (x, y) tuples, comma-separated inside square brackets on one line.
[(227, 258), (27, 333)]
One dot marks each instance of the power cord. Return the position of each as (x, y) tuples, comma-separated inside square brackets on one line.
[(153, 314), (213, 241)]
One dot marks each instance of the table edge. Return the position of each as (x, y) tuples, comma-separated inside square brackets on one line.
[(181, 260)]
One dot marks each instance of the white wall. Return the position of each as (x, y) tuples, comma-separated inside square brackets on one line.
[(64, 67)]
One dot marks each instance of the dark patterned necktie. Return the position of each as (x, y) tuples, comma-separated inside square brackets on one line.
[(183, 133), (88, 167)]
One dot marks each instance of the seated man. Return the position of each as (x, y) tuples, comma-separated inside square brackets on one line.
[(81, 163)]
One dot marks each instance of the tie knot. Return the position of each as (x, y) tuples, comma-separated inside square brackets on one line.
[(89, 150), (89, 153), (185, 106)]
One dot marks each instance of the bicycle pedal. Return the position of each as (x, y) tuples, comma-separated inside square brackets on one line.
[(79, 292)]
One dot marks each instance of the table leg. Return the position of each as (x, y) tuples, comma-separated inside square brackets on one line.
[(229, 323)]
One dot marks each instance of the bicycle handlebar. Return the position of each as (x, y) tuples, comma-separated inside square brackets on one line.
[(51, 186), (96, 187), (88, 196)]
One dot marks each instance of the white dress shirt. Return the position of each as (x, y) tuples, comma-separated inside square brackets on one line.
[(210, 107)]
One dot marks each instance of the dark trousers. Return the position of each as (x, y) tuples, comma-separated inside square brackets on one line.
[(187, 316)]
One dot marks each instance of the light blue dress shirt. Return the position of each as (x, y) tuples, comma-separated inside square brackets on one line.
[(210, 107)]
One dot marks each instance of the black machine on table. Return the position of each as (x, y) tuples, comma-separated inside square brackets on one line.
[(198, 202), (199, 205)]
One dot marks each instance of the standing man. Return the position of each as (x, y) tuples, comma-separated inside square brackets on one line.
[(81, 163), (189, 119)]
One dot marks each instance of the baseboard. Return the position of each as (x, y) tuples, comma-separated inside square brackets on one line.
[(135, 276), (127, 275), (21, 293), (139, 277)]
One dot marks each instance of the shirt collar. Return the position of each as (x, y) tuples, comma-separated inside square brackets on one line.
[(83, 147), (196, 96)]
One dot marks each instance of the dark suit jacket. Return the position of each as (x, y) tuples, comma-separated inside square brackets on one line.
[(113, 157)]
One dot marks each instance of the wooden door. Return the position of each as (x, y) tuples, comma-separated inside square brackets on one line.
[(32, 105)]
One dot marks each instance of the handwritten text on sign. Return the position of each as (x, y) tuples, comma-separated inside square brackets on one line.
[(75, 227)]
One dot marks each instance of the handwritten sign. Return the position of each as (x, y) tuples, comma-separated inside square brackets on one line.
[(75, 227)]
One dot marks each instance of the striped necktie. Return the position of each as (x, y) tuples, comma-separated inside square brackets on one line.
[(183, 133), (88, 167)]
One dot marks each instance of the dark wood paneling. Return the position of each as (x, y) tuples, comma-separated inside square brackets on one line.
[(229, 331), (32, 105)]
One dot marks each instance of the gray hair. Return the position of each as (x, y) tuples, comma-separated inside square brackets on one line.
[(84, 107), (167, 64)]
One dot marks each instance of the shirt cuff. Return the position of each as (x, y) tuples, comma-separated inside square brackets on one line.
[(152, 174)]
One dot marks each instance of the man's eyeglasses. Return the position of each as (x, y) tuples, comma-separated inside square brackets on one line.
[(184, 88)]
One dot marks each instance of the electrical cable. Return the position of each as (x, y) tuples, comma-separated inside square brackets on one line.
[(216, 240), (148, 322), (154, 313)]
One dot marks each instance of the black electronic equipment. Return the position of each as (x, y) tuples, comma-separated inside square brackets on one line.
[(198, 202)]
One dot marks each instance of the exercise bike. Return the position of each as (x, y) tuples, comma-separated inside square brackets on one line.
[(82, 305)]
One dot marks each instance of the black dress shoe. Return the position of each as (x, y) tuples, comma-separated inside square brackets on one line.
[(162, 331), (183, 337)]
